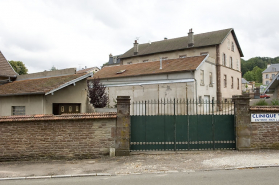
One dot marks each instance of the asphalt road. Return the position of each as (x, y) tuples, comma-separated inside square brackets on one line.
[(241, 176)]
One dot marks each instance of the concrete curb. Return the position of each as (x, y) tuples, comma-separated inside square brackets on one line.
[(108, 174), (56, 176)]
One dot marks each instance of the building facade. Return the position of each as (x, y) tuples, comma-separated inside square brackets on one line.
[(221, 45)]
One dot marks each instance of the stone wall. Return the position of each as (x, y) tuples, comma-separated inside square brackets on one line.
[(57, 137), (254, 135), (265, 135)]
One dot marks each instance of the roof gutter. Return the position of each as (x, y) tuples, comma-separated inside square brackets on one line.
[(23, 94)]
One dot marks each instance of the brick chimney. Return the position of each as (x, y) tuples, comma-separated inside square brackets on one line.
[(136, 47), (190, 38)]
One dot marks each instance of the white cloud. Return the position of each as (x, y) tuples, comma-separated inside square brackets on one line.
[(70, 33)]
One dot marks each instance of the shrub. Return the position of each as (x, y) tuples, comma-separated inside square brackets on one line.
[(275, 102), (96, 93), (261, 103)]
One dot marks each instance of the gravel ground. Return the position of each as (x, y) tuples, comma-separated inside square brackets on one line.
[(144, 162)]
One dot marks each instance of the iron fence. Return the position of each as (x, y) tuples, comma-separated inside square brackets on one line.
[(182, 107)]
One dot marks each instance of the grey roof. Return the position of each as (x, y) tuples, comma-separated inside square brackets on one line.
[(200, 40), (244, 81), (272, 68)]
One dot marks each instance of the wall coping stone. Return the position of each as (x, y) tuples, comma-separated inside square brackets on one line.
[(57, 117), (264, 108)]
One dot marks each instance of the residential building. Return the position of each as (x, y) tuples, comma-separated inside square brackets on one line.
[(269, 73), (222, 46), (183, 78), (49, 92)]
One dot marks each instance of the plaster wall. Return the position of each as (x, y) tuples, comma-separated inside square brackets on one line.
[(69, 94), (206, 89), (33, 104)]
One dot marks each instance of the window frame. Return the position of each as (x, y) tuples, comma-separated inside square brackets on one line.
[(19, 112), (225, 81), (202, 77), (232, 82)]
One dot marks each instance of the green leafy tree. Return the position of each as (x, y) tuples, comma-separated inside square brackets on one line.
[(19, 67), (257, 72), (249, 76)]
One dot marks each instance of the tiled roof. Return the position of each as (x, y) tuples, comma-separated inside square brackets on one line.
[(265, 108), (57, 117), (200, 40), (244, 81), (149, 68), (5, 68), (272, 68), (87, 70), (35, 86)]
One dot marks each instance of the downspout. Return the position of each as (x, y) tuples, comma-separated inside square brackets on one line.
[(196, 88)]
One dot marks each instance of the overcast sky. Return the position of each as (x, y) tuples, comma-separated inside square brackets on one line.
[(78, 33)]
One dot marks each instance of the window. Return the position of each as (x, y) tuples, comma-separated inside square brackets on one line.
[(232, 46), (164, 58), (202, 77), (224, 59), (232, 83), (273, 75), (237, 65), (129, 62), (200, 99), (231, 62), (266, 82), (210, 79), (204, 53), (18, 110), (145, 60), (182, 56), (237, 83), (62, 109), (266, 76), (70, 109), (225, 80), (229, 43)]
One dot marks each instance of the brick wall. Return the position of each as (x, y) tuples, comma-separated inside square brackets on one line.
[(56, 137), (265, 135)]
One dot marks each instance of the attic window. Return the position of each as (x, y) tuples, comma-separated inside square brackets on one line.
[(182, 56), (121, 71)]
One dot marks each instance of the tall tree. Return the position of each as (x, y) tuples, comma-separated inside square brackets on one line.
[(97, 94), (53, 68), (19, 67)]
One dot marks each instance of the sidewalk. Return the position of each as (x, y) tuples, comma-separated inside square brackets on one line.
[(142, 162)]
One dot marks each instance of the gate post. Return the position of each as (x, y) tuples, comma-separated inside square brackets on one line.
[(242, 122), (123, 122)]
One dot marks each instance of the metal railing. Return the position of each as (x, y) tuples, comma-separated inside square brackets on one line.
[(182, 107)]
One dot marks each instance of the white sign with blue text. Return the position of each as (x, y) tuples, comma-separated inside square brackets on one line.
[(265, 117)]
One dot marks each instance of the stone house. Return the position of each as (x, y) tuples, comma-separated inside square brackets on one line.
[(269, 73), (182, 78), (222, 46)]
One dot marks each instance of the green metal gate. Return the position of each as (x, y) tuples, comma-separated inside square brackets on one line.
[(182, 125)]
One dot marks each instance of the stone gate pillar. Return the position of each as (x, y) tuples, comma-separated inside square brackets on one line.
[(122, 140), (242, 122)]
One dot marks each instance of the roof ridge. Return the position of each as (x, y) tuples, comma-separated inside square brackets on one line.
[(187, 36)]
